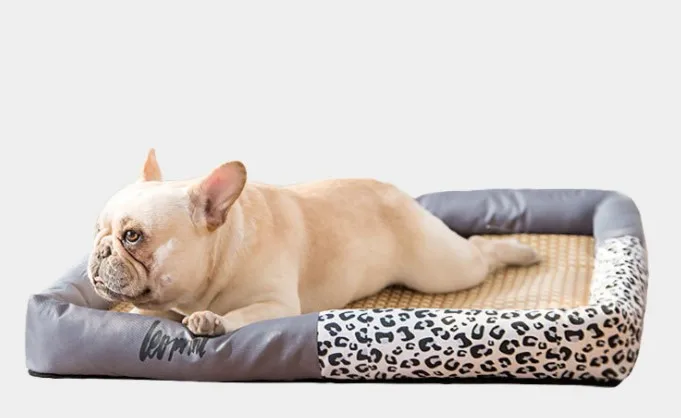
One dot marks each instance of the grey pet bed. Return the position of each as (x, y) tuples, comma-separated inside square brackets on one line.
[(71, 332)]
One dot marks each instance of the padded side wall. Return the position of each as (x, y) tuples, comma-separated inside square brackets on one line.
[(599, 213), (66, 337)]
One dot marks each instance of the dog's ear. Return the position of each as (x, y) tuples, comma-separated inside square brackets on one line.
[(151, 171), (213, 195)]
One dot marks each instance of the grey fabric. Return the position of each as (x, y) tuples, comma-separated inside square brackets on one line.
[(599, 213), (71, 288), (66, 337), (69, 331), (617, 215)]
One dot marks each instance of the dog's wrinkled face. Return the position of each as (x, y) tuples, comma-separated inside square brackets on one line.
[(142, 233), (153, 238)]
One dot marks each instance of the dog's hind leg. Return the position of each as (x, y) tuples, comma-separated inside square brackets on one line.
[(441, 261)]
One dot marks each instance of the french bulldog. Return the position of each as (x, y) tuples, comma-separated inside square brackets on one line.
[(218, 252)]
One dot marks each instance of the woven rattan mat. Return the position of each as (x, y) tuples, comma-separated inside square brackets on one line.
[(562, 279)]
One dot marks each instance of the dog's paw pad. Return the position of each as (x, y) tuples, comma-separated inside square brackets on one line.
[(204, 323)]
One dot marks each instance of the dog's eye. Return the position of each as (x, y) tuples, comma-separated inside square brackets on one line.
[(131, 236)]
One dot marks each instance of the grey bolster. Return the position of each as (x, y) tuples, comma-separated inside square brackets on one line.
[(599, 213), (69, 332)]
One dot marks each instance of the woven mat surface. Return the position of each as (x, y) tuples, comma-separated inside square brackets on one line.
[(562, 279)]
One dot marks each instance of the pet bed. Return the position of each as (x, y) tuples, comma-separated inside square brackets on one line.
[(575, 318)]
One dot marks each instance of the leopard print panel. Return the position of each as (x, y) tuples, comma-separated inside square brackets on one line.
[(598, 342)]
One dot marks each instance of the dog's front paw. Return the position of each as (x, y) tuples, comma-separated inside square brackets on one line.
[(205, 323)]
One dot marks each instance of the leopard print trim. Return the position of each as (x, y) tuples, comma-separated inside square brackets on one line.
[(598, 342)]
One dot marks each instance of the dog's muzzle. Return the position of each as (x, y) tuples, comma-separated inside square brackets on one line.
[(112, 277)]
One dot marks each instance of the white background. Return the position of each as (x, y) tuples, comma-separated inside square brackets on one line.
[(428, 95)]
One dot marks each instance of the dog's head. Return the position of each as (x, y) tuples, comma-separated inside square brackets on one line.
[(154, 238)]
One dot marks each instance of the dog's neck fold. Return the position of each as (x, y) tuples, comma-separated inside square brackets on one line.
[(229, 242)]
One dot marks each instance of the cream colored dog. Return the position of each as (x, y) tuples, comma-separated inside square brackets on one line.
[(219, 253)]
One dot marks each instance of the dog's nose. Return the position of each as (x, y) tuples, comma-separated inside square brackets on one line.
[(105, 251)]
